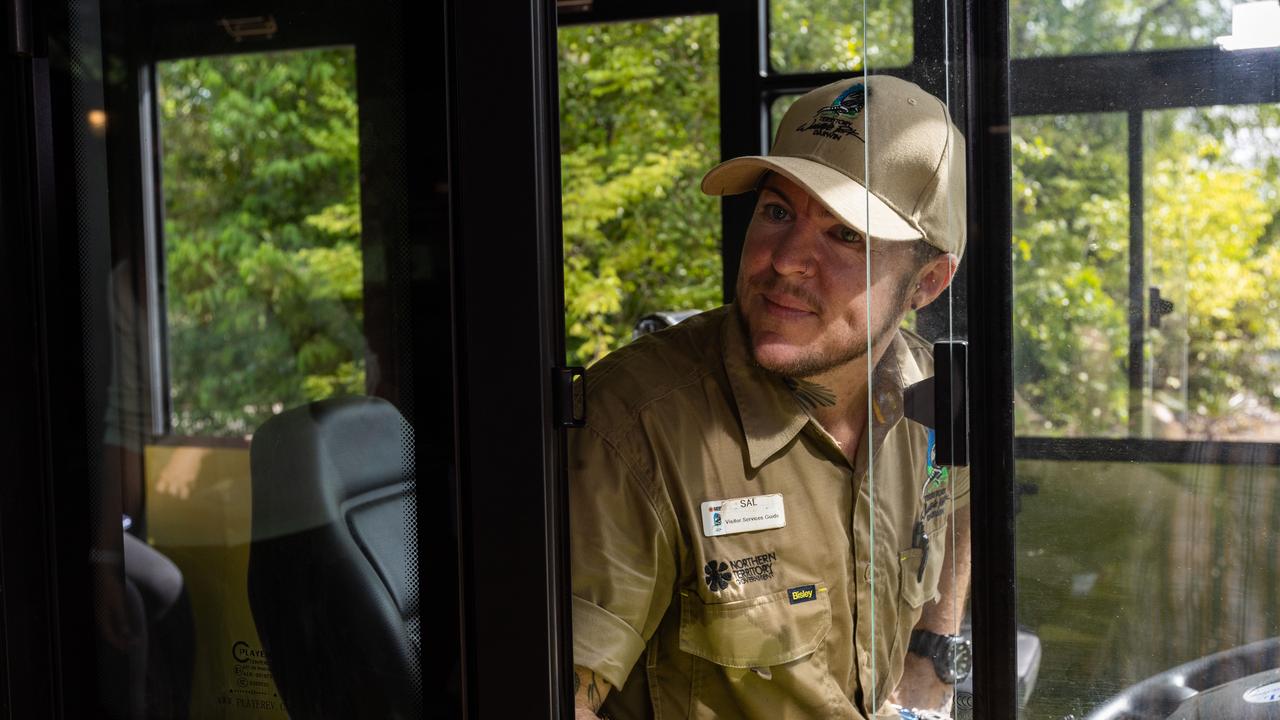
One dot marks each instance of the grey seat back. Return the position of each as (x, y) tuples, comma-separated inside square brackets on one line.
[(332, 566)]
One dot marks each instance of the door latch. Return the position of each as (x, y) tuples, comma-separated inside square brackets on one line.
[(942, 402), (571, 396)]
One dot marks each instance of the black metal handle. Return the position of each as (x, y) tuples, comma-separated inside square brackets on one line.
[(571, 396), (942, 402)]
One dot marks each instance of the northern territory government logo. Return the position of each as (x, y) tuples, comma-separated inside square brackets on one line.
[(835, 121), (718, 574)]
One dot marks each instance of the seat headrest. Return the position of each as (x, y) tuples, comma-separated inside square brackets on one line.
[(306, 463)]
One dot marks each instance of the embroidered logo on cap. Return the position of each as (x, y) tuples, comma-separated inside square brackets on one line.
[(850, 101), (835, 121)]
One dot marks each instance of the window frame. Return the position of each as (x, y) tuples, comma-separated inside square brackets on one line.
[(1134, 83)]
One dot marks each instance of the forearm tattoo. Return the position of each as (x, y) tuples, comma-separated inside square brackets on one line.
[(593, 694)]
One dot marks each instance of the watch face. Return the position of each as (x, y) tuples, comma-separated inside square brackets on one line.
[(955, 661)]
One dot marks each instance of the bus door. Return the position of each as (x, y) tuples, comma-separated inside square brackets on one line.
[(271, 328)]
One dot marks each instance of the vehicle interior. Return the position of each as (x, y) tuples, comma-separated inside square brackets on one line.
[(302, 294)]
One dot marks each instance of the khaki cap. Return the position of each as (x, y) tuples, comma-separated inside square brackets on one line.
[(916, 162)]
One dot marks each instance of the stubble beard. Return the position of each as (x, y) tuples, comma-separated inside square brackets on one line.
[(817, 362)]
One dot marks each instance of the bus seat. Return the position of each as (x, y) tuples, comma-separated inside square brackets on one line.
[(330, 583)]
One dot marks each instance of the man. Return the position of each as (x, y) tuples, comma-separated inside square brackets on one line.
[(756, 529)]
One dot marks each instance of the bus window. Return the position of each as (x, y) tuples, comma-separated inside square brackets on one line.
[(1145, 343), (263, 288), (255, 505), (260, 178), (639, 124), (828, 36)]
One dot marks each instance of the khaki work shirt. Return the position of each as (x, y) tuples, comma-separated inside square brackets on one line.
[(775, 623)]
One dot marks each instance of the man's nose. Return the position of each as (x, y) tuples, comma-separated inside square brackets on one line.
[(796, 251)]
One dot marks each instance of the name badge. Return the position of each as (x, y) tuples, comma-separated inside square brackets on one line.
[(744, 514)]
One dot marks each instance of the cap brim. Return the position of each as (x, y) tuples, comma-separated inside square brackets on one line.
[(843, 196)]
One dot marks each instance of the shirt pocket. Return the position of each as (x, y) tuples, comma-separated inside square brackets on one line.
[(917, 587), (763, 658), (757, 632)]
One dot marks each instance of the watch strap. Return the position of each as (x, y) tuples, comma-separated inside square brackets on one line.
[(927, 644)]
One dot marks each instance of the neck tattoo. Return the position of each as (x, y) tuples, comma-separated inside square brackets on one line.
[(810, 395)]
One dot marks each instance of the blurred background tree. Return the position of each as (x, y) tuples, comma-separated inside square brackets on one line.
[(639, 125), (262, 235)]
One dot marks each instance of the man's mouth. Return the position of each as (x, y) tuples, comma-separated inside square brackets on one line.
[(785, 305)]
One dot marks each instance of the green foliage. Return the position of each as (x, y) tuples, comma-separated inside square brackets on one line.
[(1210, 240), (1039, 28), (639, 126), (262, 235), (1071, 237), (1211, 218), (827, 35)]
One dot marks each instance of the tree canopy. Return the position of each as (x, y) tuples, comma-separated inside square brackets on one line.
[(262, 235)]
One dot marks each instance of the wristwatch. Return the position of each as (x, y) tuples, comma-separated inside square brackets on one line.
[(952, 655)]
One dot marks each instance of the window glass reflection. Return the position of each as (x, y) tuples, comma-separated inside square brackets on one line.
[(1204, 364), (1070, 257), (1126, 570)]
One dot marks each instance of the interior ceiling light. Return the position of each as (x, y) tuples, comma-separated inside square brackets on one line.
[(1253, 25)]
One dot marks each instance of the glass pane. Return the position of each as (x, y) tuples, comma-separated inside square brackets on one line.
[(262, 235), (777, 109), (251, 458), (1212, 182), (828, 35), (639, 125), (1126, 570), (1143, 352), (1071, 265), (913, 498), (1039, 28)]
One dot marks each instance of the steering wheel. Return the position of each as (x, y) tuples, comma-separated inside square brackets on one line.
[(1160, 696)]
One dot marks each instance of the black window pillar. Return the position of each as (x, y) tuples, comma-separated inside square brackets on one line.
[(509, 336), (744, 115), (990, 296)]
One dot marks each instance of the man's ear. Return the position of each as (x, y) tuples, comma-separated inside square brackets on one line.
[(933, 278)]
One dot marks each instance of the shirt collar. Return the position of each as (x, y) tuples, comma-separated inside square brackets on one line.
[(770, 414)]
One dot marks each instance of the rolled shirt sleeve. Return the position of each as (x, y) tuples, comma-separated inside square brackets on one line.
[(622, 557)]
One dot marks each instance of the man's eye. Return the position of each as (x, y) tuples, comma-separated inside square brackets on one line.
[(849, 235), (774, 212)]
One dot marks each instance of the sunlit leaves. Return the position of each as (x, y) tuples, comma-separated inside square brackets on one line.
[(827, 35), (1210, 187), (262, 235), (638, 128)]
